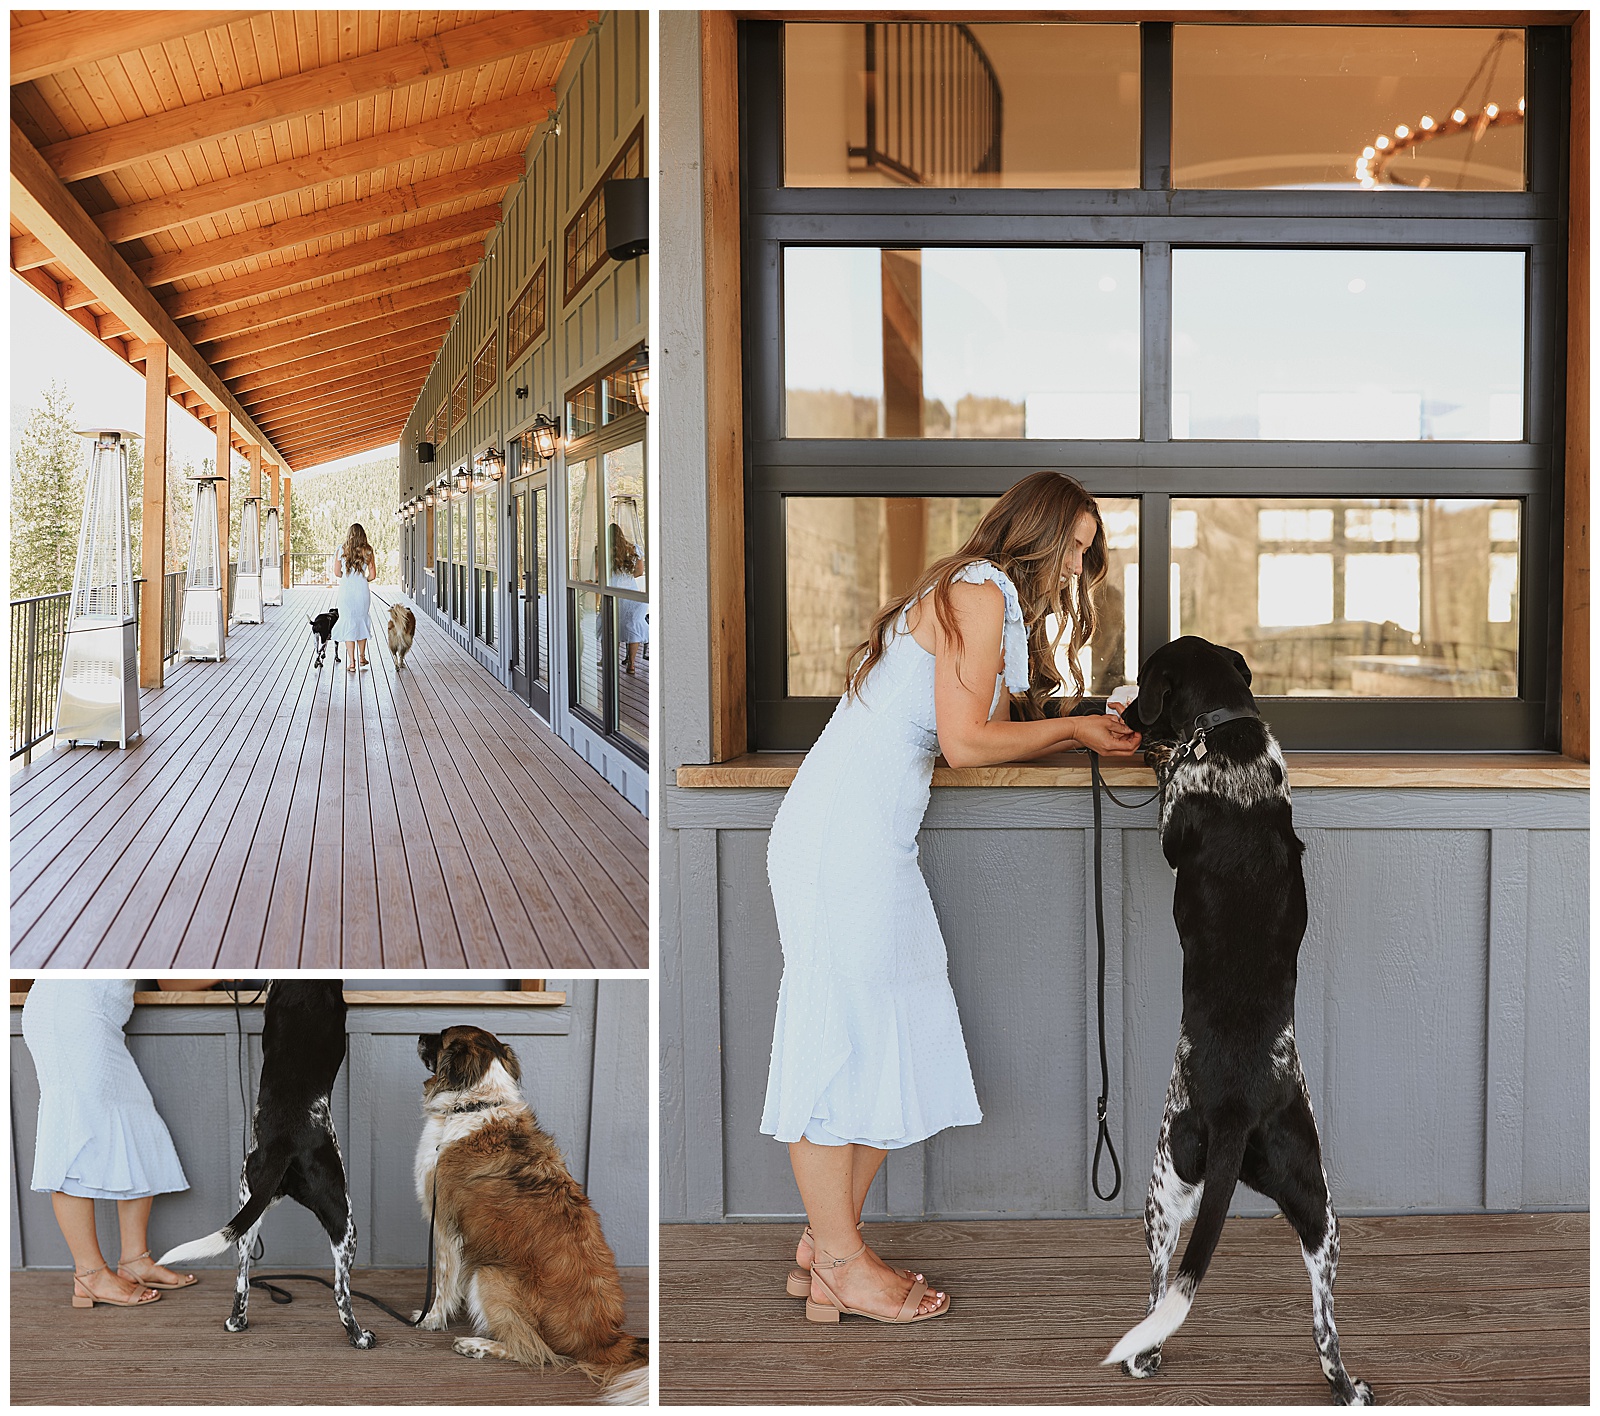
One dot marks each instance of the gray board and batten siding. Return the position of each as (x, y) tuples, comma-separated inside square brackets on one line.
[(585, 1072), (1443, 1009), (603, 95)]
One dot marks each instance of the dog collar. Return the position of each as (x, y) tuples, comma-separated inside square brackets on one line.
[(1194, 745), (473, 1106)]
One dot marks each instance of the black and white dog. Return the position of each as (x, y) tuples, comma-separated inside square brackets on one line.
[(296, 1154), (1237, 1106), (322, 627)]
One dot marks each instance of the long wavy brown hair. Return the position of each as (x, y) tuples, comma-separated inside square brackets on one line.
[(357, 549), (1027, 534)]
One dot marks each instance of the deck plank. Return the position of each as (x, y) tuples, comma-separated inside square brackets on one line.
[(1435, 1309), (277, 816), (292, 1355)]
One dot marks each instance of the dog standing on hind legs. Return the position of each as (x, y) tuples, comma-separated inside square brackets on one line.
[(296, 1153), (1237, 1107)]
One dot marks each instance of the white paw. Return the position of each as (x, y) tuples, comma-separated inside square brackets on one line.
[(236, 1324), (472, 1347)]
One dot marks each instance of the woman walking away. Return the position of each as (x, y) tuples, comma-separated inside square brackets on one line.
[(354, 570), (867, 1050), (99, 1137)]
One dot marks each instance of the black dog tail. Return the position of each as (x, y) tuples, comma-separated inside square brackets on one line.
[(1224, 1159), (236, 1228)]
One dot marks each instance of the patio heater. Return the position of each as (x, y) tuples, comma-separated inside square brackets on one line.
[(272, 561), (202, 636), (247, 584), (99, 700)]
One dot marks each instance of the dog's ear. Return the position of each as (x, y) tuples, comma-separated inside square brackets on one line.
[(1237, 660), (1154, 685), (509, 1058)]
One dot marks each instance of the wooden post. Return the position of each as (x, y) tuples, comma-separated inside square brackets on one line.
[(288, 564), (254, 455), (224, 497), (154, 516)]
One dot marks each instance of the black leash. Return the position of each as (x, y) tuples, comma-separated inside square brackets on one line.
[(1103, 1142)]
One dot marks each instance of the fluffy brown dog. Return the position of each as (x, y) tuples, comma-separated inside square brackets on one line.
[(515, 1237), (402, 626)]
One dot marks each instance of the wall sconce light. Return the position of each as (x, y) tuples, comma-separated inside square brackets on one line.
[(637, 372), (492, 463), (463, 481), (427, 497), (522, 393), (546, 437)]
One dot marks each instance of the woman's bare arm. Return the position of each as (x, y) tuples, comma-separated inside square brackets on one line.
[(962, 693)]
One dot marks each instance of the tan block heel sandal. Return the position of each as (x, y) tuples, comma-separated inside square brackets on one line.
[(823, 1306)]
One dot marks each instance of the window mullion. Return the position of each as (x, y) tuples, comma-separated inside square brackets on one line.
[(1155, 556), (1155, 343), (1155, 107)]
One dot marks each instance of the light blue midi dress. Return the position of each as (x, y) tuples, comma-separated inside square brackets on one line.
[(354, 603), (867, 1044), (99, 1133)]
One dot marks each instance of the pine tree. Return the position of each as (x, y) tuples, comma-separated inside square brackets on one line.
[(47, 486)]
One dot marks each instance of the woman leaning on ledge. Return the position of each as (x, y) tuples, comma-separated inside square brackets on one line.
[(99, 1135), (867, 1050)]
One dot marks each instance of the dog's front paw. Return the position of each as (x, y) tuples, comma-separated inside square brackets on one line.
[(1145, 1364), (1363, 1395), (236, 1324), (362, 1339), (434, 1322), (472, 1347)]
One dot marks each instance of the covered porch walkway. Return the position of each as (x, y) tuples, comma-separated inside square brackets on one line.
[(274, 817)]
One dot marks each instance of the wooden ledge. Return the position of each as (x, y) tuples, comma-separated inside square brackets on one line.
[(392, 997), (1467, 770)]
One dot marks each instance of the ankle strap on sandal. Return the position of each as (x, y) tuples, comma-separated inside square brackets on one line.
[(133, 1258), (90, 1273), (833, 1263)]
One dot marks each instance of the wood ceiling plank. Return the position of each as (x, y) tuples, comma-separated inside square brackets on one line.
[(385, 280), (451, 229), (366, 155), (354, 215), (292, 361), (45, 207), (407, 378), (338, 422), (84, 36), (293, 331), (29, 252), (240, 354), (337, 367), (317, 456)]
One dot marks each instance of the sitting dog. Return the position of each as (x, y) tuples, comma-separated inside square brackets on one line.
[(515, 1236), (1237, 1107), (322, 627), (296, 1153), (402, 626)]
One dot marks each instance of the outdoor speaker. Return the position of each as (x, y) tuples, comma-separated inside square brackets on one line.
[(627, 203), (424, 452)]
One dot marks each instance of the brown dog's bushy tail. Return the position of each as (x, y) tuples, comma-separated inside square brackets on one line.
[(624, 1372)]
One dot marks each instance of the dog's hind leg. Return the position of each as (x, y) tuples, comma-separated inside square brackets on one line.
[(318, 1183), (506, 1328), (1171, 1201), (1285, 1164)]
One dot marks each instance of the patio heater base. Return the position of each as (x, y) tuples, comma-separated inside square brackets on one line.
[(271, 585), (202, 636), (247, 600), (99, 701)]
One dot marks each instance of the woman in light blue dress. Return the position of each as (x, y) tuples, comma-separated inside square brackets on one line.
[(354, 570), (99, 1135), (867, 1050)]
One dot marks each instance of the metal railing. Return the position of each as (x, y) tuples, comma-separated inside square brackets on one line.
[(38, 643)]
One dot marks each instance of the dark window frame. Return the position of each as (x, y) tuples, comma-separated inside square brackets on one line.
[(485, 381), (590, 210), (536, 292), (1155, 468)]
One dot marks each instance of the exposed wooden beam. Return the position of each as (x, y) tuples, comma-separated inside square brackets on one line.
[(342, 391), (29, 252), (397, 245), (83, 36), (319, 362), (46, 208), (338, 405), (337, 422), (330, 165), (387, 280), (326, 447), (238, 355), (314, 90), (360, 215), (252, 388)]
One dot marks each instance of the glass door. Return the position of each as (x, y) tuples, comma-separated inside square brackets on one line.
[(537, 593), (518, 639)]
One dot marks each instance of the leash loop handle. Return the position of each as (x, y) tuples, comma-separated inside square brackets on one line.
[(1103, 1141)]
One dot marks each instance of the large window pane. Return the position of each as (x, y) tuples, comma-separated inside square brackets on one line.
[(848, 556), (1301, 106), (1348, 345), (954, 105), (583, 521), (625, 518), (1404, 599), (588, 648), (957, 343)]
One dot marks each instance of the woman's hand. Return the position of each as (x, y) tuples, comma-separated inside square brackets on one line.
[(1106, 734)]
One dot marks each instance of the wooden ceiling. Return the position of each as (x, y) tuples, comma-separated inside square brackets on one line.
[(305, 193)]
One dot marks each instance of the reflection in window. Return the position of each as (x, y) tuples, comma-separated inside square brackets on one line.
[(1371, 345), (1320, 106), (583, 521), (848, 556), (958, 105), (588, 643), (1372, 598), (954, 343)]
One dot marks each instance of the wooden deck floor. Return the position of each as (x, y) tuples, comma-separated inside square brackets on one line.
[(177, 1354), (1436, 1309), (276, 817)]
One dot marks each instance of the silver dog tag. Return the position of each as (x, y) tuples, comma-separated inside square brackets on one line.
[(1200, 750)]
